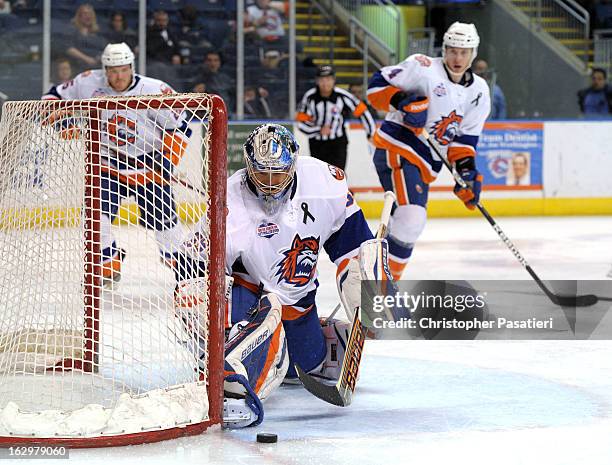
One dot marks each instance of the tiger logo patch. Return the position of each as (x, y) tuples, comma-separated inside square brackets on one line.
[(447, 127), (299, 264)]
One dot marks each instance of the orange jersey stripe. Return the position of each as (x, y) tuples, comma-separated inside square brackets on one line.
[(360, 110), (238, 281), (381, 99), (291, 313), (174, 147), (413, 158), (399, 183)]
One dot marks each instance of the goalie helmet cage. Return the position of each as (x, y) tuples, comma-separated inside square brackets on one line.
[(87, 365)]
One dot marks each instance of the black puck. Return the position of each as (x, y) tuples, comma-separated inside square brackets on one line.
[(267, 437)]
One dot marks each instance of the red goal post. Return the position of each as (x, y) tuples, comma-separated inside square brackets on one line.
[(126, 371)]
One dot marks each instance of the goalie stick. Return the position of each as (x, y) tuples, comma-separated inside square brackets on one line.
[(585, 300), (341, 393)]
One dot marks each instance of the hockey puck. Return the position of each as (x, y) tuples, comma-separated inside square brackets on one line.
[(267, 437)]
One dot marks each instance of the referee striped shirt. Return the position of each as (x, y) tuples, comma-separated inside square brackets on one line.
[(316, 111)]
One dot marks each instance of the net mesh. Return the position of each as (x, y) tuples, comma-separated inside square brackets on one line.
[(90, 343)]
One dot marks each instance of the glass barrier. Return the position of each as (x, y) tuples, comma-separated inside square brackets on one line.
[(21, 50)]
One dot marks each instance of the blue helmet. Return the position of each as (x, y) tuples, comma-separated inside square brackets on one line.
[(270, 154)]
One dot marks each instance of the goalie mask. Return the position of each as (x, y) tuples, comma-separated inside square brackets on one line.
[(270, 154)]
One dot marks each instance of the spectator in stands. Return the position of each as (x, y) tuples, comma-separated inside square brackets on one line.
[(271, 66), (498, 99), (7, 18), (216, 81), (120, 31), (63, 71), (162, 46), (5, 7), (256, 105), (596, 101), (192, 33), (357, 91), (271, 80), (199, 88), (83, 42), (264, 17)]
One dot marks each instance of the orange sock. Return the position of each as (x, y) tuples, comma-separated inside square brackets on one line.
[(396, 268)]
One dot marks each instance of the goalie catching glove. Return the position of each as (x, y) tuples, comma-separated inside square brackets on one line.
[(469, 195)]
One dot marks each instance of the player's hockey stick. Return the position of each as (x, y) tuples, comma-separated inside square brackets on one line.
[(341, 393), (563, 301)]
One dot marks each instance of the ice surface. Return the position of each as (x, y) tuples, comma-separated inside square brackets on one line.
[(444, 402)]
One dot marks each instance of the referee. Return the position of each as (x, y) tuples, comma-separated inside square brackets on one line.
[(322, 116)]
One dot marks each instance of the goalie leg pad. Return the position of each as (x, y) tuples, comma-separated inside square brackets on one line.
[(257, 351), (336, 334), (373, 261), (348, 280)]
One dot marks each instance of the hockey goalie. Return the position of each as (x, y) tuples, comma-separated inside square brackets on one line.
[(284, 210)]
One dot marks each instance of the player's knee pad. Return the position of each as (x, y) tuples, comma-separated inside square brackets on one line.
[(407, 223), (257, 351)]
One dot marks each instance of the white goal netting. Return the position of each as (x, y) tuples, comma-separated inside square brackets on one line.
[(90, 344)]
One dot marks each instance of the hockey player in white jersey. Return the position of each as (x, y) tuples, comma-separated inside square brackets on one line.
[(452, 103), (139, 150), (283, 210)]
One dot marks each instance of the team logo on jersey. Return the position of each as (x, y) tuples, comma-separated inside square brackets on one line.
[(336, 172), (299, 264), (440, 90), (446, 128), (418, 188), (121, 130), (423, 60), (267, 230)]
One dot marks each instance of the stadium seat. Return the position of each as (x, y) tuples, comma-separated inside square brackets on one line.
[(167, 5)]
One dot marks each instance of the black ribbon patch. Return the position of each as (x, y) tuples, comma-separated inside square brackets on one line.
[(307, 214)]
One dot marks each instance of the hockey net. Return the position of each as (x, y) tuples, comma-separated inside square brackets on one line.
[(89, 362)]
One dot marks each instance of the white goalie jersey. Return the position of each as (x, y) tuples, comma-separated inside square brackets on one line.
[(281, 253), (128, 136)]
